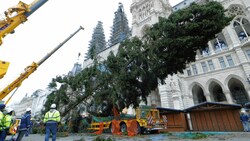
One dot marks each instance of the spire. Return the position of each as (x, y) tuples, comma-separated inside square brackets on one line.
[(120, 29), (98, 42), (77, 67)]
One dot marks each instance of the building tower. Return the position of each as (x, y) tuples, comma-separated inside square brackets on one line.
[(120, 29), (98, 41), (76, 68), (146, 12)]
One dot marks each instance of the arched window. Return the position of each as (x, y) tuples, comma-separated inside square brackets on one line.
[(242, 28), (219, 45), (205, 52)]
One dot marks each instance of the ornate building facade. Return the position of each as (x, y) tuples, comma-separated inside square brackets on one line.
[(220, 72)]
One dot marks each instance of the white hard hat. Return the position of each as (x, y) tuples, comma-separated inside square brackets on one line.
[(8, 110), (53, 105), (243, 110), (28, 110)]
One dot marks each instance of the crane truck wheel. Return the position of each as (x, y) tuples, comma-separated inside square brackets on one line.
[(111, 130), (139, 128), (123, 127)]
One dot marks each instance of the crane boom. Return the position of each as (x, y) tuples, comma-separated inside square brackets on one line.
[(30, 69), (16, 15), (3, 68)]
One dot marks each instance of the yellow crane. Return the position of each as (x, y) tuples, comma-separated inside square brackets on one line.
[(14, 16), (30, 69)]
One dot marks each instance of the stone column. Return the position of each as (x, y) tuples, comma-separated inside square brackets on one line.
[(248, 94), (211, 48), (229, 97), (176, 101), (208, 98)]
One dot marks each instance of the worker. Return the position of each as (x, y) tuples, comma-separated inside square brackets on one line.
[(25, 124), (6, 122), (244, 118), (2, 134), (51, 120)]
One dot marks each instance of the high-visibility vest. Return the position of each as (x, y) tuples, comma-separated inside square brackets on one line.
[(1, 121), (6, 121), (52, 116)]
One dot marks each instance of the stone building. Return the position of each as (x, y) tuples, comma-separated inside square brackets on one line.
[(220, 72), (35, 102)]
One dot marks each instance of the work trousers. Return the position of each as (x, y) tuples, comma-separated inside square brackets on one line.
[(246, 126), (51, 128), (3, 135), (20, 135)]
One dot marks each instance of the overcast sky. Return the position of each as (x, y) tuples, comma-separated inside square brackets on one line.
[(45, 29)]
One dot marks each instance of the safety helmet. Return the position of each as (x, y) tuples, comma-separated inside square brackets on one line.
[(243, 110), (8, 110), (28, 110), (53, 106)]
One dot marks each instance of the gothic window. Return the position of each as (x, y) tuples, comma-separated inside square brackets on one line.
[(198, 95), (189, 73), (211, 65), (230, 60), (242, 28), (147, 9), (218, 94), (140, 14), (201, 98), (144, 11), (205, 52), (222, 62), (239, 95), (219, 45), (152, 4), (235, 10), (248, 53), (194, 69), (204, 67)]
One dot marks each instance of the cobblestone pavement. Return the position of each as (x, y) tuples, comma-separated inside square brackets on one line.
[(211, 136)]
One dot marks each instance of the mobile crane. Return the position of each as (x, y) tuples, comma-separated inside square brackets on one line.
[(30, 69), (14, 16)]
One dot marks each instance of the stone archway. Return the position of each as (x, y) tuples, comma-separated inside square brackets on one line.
[(216, 92), (238, 91), (198, 95)]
